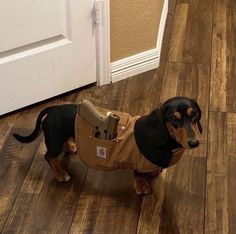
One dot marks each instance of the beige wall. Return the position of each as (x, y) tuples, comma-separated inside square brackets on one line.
[(134, 26)]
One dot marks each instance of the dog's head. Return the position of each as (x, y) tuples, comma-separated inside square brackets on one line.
[(181, 117)]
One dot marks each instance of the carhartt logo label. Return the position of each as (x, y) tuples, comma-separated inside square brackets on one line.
[(101, 152)]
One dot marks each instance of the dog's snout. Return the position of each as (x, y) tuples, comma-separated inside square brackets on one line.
[(193, 143)]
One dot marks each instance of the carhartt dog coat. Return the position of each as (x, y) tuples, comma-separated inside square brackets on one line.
[(121, 152)]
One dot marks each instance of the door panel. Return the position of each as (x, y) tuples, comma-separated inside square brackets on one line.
[(42, 20), (47, 48)]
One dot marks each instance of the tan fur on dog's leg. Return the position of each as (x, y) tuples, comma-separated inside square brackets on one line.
[(59, 173), (70, 146)]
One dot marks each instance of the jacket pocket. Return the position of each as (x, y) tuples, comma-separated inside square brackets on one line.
[(97, 153)]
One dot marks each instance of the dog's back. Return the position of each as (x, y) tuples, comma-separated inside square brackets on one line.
[(54, 119)]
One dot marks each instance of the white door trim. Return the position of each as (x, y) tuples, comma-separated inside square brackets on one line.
[(132, 65), (162, 25), (102, 18)]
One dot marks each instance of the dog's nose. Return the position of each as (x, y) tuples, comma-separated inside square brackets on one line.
[(193, 143)]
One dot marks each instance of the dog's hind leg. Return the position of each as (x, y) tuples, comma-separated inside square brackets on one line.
[(59, 173)]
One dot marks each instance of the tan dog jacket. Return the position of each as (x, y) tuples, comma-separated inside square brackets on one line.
[(119, 153)]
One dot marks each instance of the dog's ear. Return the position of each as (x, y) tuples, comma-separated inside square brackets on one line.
[(197, 107), (155, 129)]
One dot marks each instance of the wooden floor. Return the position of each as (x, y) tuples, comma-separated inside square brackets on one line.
[(198, 195)]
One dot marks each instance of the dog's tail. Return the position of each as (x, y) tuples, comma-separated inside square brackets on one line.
[(37, 130)]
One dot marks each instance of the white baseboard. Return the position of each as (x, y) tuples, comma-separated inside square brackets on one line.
[(144, 61), (134, 65)]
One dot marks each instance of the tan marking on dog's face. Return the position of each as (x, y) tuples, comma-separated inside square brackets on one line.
[(190, 111), (181, 135), (177, 115), (196, 131)]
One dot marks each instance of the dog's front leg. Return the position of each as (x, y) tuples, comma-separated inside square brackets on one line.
[(59, 173), (142, 183)]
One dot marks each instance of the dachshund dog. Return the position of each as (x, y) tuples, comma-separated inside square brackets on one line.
[(167, 131)]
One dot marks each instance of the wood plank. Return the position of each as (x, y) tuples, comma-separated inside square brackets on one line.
[(170, 81), (19, 218), (231, 55), (165, 45), (15, 163), (171, 7), (184, 197), (231, 154), (108, 204), (216, 211), (198, 33), (140, 101), (6, 123), (150, 215), (219, 60), (178, 33)]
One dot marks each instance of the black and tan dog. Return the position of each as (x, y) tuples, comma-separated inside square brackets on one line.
[(161, 137)]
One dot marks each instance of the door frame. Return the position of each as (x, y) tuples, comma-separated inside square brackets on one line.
[(108, 72), (102, 20)]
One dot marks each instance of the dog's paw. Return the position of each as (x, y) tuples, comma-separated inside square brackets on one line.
[(62, 176), (143, 187)]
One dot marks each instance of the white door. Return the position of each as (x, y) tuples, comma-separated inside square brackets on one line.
[(46, 48)]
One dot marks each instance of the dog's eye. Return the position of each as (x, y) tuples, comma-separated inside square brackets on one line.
[(193, 114), (173, 118)]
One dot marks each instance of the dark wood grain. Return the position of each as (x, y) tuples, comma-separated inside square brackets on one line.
[(151, 209), (218, 58), (231, 154), (193, 33), (216, 210), (15, 163), (172, 4), (178, 35), (231, 55), (184, 184)]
